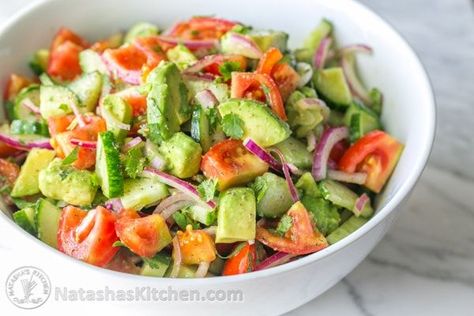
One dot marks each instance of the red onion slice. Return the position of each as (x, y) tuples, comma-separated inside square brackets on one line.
[(206, 98), (179, 197), (244, 46), (77, 113), (191, 44), (176, 258), (355, 48), (360, 204), (202, 269), (204, 62), (180, 185), (132, 143), (330, 137), (321, 54), (349, 68), (286, 171), (199, 76), (306, 73), (274, 260), (261, 153), (21, 145), (127, 75), (84, 143), (114, 204), (356, 177), (158, 163), (27, 103)]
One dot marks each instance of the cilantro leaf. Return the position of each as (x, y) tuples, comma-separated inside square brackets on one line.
[(207, 189), (182, 221), (284, 225), (71, 158), (324, 213), (260, 187), (227, 68), (159, 261), (214, 119), (118, 243), (232, 126), (134, 162)]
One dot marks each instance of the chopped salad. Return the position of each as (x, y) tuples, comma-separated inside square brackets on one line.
[(206, 149)]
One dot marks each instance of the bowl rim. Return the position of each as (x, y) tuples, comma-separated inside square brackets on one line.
[(388, 208)]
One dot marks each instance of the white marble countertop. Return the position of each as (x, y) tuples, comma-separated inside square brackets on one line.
[(425, 264)]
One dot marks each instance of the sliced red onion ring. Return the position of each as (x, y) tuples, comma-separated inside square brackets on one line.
[(294, 169), (321, 54), (127, 75), (211, 230), (360, 204), (180, 185), (170, 210), (286, 171), (110, 117), (207, 99), (356, 177), (114, 204), (261, 153), (132, 143), (77, 113), (18, 144), (315, 103), (27, 103), (158, 163), (84, 143), (330, 137), (179, 197), (306, 73), (332, 164), (202, 269), (198, 76), (278, 258), (204, 62), (191, 44), (355, 48), (244, 46), (176, 258)]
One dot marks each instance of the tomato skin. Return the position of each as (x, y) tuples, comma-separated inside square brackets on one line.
[(242, 262), (66, 35), (269, 59), (88, 236), (9, 171), (144, 236), (136, 100), (376, 154), (231, 164), (151, 47), (196, 246), (286, 79), (202, 28), (59, 124), (7, 151), (242, 81), (215, 68), (64, 61), (301, 239), (14, 86)]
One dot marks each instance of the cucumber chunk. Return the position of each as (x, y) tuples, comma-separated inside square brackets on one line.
[(39, 62), (90, 61), (295, 152), (203, 215), (88, 89), (143, 192), (25, 218), (47, 219), (156, 266), (342, 196), (56, 101), (108, 166), (27, 182), (273, 195), (360, 120), (268, 39), (182, 154), (116, 109), (200, 128), (142, 29), (331, 84), (46, 80), (311, 44), (347, 228), (24, 127), (28, 94)]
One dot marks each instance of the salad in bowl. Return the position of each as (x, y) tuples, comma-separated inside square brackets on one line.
[(207, 149)]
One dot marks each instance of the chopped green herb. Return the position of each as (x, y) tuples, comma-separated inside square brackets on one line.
[(71, 158), (182, 220), (118, 243), (260, 186), (284, 225), (158, 261), (227, 68), (232, 126), (134, 162), (207, 189), (213, 116)]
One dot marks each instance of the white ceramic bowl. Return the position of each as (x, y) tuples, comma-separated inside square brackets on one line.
[(409, 114)]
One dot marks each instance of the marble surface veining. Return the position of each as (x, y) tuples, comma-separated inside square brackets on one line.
[(425, 264)]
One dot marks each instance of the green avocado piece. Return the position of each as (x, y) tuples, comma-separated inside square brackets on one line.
[(268, 39), (88, 89), (141, 29), (273, 195), (325, 214), (307, 185), (236, 216), (27, 181), (182, 56), (117, 108), (60, 182), (260, 123), (220, 90), (303, 118), (331, 84), (295, 152), (182, 154), (142, 192), (167, 102)]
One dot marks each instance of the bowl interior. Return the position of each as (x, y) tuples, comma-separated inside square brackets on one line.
[(408, 110)]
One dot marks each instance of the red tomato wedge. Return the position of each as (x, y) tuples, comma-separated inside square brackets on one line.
[(242, 81), (14, 86), (242, 262), (202, 28), (301, 239), (9, 171), (376, 154), (88, 235), (125, 62), (135, 99), (286, 79), (196, 246), (237, 59), (144, 236), (64, 55), (269, 60), (231, 164)]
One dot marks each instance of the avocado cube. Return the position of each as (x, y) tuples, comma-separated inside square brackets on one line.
[(183, 155), (236, 216)]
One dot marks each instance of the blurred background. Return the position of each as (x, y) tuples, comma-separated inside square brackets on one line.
[(425, 264)]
